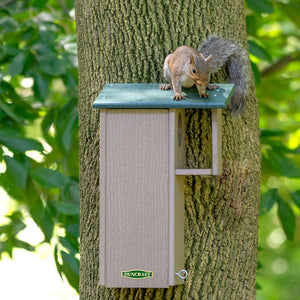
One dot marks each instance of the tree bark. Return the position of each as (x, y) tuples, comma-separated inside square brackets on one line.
[(127, 41)]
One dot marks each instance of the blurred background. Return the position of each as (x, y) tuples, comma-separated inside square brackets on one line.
[(39, 207)]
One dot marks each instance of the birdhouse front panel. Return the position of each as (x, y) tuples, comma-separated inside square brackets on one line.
[(134, 198)]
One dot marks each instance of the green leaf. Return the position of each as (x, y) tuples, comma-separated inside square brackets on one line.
[(17, 170), (7, 108), (51, 65), (259, 265), (72, 249), (19, 144), (70, 192), (287, 219), (41, 215), (268, 199), (7, 51), (70, 81), (15, 226), (70, 59), (48, 120), (39, 3), (256, 73), (8, 248), (58, 265), (67, 208), (15, 216), (17, 64), (296, 198), (43, 49), (7, 90), (71, 269), (261, 6), (279, 147), (272, 133), (11, 188), (18, 225), (73, 229), (252, 24), (259, 51), (4, 12), (258, 286), (282, 165), (47, 225), (29, 60), (30, 33), (8, 24), (66, 124), (40, 87), (48, 178), (69, 130), (24, 245), (291, 9)]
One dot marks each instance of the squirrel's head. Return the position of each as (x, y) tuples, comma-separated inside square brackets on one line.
[(199, 68)]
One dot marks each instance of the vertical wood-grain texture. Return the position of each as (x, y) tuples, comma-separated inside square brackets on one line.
[(127, 41), (137, 196)]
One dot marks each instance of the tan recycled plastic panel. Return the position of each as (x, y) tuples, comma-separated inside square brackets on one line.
[(137, 204)]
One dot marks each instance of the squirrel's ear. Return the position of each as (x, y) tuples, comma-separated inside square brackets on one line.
[(192, 61), (208, 58)]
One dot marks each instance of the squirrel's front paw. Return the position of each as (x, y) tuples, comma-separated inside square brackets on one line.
[(165, 87), (201, 91), (204, 95), (178, 97)]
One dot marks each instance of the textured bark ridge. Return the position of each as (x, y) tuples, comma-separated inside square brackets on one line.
[(127, 41)]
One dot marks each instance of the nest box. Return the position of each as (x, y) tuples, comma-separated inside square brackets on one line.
[(142, 168)]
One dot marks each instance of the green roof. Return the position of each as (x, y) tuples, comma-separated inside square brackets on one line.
[(148, 95)]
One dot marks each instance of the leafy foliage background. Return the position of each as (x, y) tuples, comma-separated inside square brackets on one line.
[(274, 44), (39, 126)]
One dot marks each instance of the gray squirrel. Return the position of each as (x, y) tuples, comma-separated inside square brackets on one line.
[(186, 67)]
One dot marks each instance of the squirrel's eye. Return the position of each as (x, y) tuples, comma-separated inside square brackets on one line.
[(194, 71)]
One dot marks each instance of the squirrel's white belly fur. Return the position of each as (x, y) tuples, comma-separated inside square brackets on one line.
[(186, 81)]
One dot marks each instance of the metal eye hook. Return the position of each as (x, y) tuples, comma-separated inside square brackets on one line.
[(184, 275)]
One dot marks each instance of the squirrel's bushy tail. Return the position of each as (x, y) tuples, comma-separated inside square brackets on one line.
[(227, 51)]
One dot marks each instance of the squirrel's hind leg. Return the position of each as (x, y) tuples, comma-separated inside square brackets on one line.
[(167, 74), (212, 87), (165, 87), (166, 68)]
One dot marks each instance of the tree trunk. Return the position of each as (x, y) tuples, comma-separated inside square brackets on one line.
[(127, 41)]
